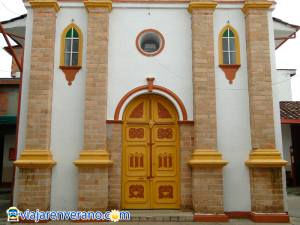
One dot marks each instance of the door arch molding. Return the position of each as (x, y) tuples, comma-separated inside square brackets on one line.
[(144, 89)]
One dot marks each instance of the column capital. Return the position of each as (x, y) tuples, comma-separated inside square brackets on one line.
[(265, 158), (93, 159), (202, 5), (98, 4), (44, 4), (256, 5), (207, 158), (35, 159)]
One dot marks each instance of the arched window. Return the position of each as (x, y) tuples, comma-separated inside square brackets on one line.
[(229, 52), (71, 46), (229, 46)]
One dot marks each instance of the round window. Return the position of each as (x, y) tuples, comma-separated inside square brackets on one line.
[(150, 42)]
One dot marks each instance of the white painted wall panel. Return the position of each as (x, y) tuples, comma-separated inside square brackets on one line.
[(233, 117), (128, 68), (67, 123)]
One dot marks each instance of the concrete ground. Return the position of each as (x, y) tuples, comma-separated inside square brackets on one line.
[(293, 202)]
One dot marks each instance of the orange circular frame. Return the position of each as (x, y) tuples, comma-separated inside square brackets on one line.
[(161, 47)]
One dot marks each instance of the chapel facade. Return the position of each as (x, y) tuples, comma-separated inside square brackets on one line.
[(151, 105)]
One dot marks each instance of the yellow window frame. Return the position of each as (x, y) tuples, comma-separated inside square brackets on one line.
[(237, 45), (63, 41)]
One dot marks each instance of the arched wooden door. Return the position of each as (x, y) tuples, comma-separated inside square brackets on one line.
[(150, 157)]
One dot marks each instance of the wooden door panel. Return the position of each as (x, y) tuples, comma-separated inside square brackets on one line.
[(138, 111), (165, 161), (166, 194), (164, 133), (136, 194), (136, 163), (135, 133), (163, 111)]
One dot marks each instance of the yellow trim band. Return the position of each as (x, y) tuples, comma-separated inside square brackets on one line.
[(62, 44), (265, 158), (256, 5), (93, 158), (107, 4), (35, 159), (207, 158), (53, 4), (237, 45), (202, 5)]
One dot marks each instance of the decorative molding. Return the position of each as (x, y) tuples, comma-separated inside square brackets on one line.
[(230, 71), (185, 122), (256, 5), (136, 188), (207, 158), (145, 87), (202, 5), (237, 44), (138, 111), (90, 4), (162, 111), (288, 121), (165, 188), (35, 159), (210, 218), (265, 158), (136, 132), (164, 133), (39, 4), (159, 50), (269, 218), (150, 83), (62, 44), (114, 121), (70, 72), (93, 158)]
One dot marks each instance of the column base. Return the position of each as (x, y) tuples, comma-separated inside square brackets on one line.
[(93, 159), (207, 158), (210, 218), (269, 218)]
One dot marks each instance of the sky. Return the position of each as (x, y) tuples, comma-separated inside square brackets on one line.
[(287, 56)]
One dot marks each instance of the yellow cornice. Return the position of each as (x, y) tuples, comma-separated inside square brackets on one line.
[(107, 4), (35, 159), (53, 4), (256, 5), (93, 158), (207, 158), (202, 5), (265, 158)]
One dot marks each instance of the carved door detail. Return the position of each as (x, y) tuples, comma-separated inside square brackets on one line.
[(150, 156)]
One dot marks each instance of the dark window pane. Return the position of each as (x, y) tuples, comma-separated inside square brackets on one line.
[(74, 59), (225, 33), (75, 34), (231, 34), (232, 44), (75, 45), (232, 58), (225, 57), (225, 44), (68, 45), (67, 59), (69, 34)]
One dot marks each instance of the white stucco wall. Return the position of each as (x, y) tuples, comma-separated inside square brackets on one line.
[(276, 108), (286, 142), (283, 84), (25, 93), (128, 68), (233, 125), (67, 123)]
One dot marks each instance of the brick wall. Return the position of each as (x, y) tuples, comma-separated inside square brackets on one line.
[(3, 102), (114, 147), (266, 190), (14, 65), (41, 79), (34, 189), (205, 128), (207, 186), (96, 79), (186, 149), (259, 79), (92, 189)]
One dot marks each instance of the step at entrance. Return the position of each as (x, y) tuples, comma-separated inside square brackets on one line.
[(160, 216)]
